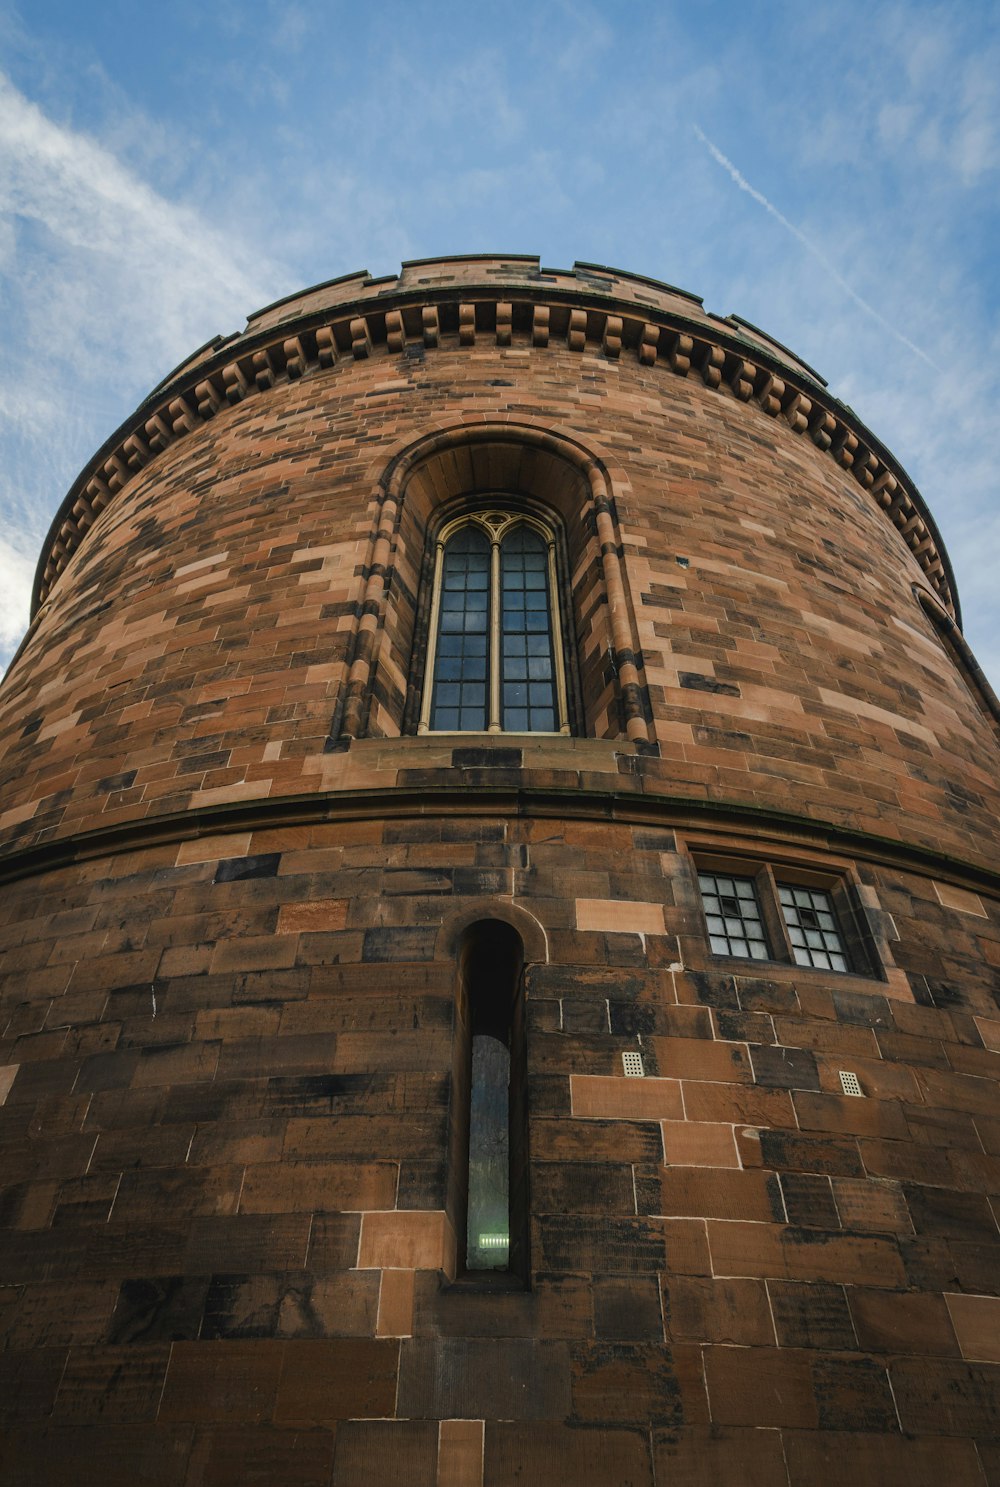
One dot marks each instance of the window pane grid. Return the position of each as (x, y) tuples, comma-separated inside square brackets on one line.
[(733, 914), (527, 671), (812, 928), (462, 661)]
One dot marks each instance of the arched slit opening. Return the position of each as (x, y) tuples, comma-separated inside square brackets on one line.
[(489, 1106)]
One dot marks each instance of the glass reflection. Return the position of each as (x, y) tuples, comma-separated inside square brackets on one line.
[(489, 1155)]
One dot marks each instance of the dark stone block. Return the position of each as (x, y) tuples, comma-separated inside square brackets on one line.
[(388, 944), (627, 1310), (630, 1018), (242, 1306), (784, 1068), (161, 1308), (809, 1314), (862, 1010), (235, 869), (584, 1017), (805, 1154), (853, 1394), (616, 1246), (697, 683), (370, 1453), (715, 989), (484, 1378), (486, 758), (950, 1215), (122, 781), (809, 1201)]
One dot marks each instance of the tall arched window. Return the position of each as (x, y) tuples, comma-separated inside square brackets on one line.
[(495, 653)]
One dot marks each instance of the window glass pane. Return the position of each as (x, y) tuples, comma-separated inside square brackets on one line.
[(812, 928), (733, 915), (489, 1155), (526, 646), (463, 634)]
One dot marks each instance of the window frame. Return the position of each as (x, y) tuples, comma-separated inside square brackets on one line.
[(490, 1001), (497, 520), (770, 874)]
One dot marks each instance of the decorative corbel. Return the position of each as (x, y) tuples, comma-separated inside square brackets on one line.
[(137, 452), (361, 338), (430, 325), (505, 317), (649, 341), (611, 342), (576, 335), (326, 346), (865, 467), (116, 472), (207, 398), (295, 356), (822, 427), (183, 418), (395, 330), (681, 354), (844, 445), (99, 493), (158, 434), (540, 326), (769, 392), (709, 360), (741, 375), (466, 325), (263, 369), (797, 410), (235, 382), (885, 488)]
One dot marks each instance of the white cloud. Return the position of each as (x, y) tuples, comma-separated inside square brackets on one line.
[(107, 284), (17, 570)]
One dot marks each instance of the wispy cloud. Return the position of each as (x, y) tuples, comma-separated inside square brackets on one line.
[(108, 283), (758, 196)]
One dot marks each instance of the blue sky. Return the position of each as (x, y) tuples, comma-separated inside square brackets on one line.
[(830, 172)]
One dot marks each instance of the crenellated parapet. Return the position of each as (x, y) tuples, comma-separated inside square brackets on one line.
[(504, 302)]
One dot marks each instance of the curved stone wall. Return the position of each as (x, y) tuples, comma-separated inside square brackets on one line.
[(236, 883)]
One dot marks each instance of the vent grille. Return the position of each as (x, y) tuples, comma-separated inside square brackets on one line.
[(850, 1083), (632, 1064)]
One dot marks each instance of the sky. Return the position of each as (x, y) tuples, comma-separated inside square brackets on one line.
[(829, 172)]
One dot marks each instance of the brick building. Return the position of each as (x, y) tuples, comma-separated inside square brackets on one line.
[(501, 922)]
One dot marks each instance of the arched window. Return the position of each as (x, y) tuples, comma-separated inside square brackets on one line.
[(495, 650), (489, 1125)]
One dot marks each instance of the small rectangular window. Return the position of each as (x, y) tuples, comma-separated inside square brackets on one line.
[(812, 927), (733, 914), (791, 914)]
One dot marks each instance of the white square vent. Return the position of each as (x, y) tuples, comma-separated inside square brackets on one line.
[(850, 1083), (632, 1064)]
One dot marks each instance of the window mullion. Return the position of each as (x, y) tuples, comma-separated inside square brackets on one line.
[(427, 699), (557, 641), (494, 642)]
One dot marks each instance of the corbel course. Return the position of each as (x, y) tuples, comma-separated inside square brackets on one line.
[(681, 349)]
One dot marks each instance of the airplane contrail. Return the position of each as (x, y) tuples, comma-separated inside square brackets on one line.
[(810, 247)]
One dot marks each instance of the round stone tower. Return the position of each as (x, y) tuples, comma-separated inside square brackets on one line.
[(501, 924)]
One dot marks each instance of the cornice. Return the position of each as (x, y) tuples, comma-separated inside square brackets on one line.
[(769, 829), (505, 302)]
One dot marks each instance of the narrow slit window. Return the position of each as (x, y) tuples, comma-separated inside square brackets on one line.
[(489, 1104)]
